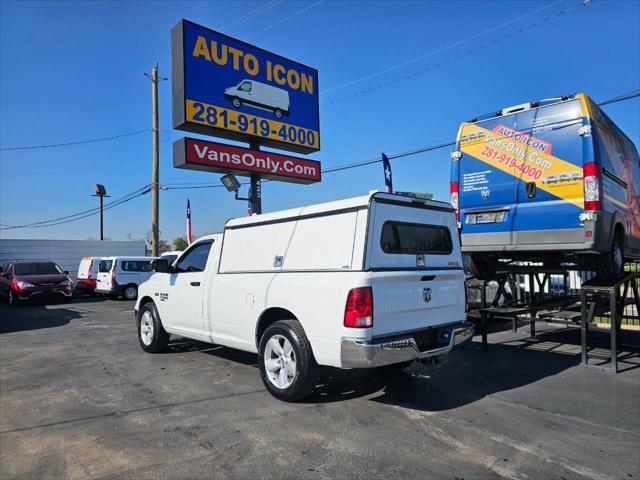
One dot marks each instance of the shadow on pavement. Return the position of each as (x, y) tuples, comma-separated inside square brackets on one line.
[(467, 375), (34, 317)]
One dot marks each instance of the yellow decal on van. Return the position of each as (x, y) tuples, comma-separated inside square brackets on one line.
[(508, 153)]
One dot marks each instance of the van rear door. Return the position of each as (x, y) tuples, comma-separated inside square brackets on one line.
[(549, 186), (413, 254), (104, 273), (487, 195)]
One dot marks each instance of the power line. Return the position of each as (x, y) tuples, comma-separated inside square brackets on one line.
[(427, 68), (250, 15), (83, 214), (93, 140), (434, 52), (337, 168), (187, 186), (289, 17)]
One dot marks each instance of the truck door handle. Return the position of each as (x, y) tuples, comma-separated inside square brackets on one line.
[(531, 189), (195, 284)]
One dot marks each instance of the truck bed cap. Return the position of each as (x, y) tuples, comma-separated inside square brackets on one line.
[(337, 205)]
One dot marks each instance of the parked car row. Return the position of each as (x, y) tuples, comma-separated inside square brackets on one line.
[(24, 280)]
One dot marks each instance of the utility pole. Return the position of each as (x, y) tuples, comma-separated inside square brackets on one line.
[(155, 171), (101, 192)]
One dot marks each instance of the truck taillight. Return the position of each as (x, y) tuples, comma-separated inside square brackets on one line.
[(113, 272), (454, 189), (358, 311), (591, 179)]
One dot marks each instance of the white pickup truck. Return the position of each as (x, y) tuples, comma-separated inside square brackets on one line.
[(365, 282)]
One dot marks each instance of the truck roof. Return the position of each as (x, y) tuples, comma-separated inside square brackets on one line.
[(321, 208)]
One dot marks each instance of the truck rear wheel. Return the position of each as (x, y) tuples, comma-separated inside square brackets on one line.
[(287, 367), (278, 113), (152, 336)]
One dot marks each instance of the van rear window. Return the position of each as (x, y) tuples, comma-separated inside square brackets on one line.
[(415, 239), (105, 266)]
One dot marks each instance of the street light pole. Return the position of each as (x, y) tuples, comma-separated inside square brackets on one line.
[(101, 192)]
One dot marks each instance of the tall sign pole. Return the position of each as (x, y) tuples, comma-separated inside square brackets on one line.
[(155, 175), (255, 192)]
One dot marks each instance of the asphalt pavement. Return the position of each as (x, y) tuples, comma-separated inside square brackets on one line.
[(80, 399)]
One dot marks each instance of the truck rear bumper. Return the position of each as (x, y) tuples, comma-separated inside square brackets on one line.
[(357, 353)]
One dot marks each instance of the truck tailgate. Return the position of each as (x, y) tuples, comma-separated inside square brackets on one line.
[(410, 301)]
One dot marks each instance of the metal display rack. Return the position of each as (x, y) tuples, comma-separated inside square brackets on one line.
[(578, 308)]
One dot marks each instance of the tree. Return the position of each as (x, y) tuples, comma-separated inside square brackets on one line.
[(180, 243)]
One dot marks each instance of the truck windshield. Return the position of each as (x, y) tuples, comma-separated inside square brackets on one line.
[(105, 266), (39, 268), (415, 239)]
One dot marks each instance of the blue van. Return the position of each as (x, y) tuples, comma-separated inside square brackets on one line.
[(554, 181)]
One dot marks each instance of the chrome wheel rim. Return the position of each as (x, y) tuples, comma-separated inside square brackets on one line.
[(236, 102), (146, 328), (280, 362), (11, 300), (130, 293)]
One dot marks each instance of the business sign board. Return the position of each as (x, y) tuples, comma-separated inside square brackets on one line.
[(194, 154), (227, 88)]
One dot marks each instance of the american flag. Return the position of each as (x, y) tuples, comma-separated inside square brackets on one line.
[(188, 222), (388, 177)]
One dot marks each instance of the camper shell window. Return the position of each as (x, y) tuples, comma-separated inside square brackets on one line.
[(415, 239)]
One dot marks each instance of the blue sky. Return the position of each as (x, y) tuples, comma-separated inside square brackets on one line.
[(73, 71)]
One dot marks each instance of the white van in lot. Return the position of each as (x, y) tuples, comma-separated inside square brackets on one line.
[(121, 276), (259, 95), (87, 275), (366, 282)]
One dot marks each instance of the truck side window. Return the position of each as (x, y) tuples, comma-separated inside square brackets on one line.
[(195, 260), (245, 87)]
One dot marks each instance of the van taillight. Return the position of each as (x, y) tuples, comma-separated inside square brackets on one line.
[(90, 269), (454, 190), (591, 179), (113, 272), (358, 311)]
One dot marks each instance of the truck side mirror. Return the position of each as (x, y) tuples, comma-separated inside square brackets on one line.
[(160, 265)]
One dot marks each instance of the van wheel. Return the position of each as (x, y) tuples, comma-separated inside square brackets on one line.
[(152, 336), (287, 367), (236, 102), (483, 269), (130, 292), (611, 266), (278, 113)]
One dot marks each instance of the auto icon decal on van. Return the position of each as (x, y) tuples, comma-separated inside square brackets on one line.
[(514, 152)]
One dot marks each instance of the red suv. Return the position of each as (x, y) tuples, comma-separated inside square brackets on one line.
[(30, 279)]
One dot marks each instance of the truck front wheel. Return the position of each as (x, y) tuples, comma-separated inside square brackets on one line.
[(237, 102), (287, 367), (152, 336)]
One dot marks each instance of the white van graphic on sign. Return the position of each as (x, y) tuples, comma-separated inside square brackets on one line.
[(259, 95)]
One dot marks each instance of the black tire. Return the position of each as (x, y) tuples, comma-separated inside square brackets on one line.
[(130, 292), (12, 300), (483, 269), (159, 338), (610, 266), (236, 102), (307, 372), (278, 113)]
